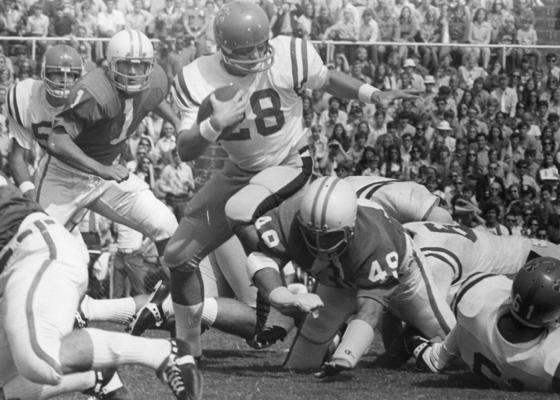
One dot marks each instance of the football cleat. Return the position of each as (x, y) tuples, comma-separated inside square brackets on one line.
[(420, 348), (108, 386), (180, 372), (267, 337), (151, 314)]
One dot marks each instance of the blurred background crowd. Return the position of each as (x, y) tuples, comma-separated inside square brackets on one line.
[(484, 134)]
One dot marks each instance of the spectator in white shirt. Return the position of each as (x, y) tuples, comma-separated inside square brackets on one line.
[(110, 21), (506, 96)]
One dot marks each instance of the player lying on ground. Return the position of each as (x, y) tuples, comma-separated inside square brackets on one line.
[(43, 276), (506, 330)]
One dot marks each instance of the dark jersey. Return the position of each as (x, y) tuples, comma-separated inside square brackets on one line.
[(371, 263), (14, 207), (100, 119)]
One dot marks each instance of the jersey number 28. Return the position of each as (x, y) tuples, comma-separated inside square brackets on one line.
[(269, 118)]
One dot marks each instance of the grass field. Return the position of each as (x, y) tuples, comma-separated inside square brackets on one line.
[(234, 371)]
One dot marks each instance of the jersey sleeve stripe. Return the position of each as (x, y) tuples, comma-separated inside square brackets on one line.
[(16, 108), (293, 56), (10, 101), (465, 287), (304, 62), (445, 256), (184, 89), (177, 92)]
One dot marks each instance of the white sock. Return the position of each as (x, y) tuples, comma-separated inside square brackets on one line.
[(209, 311), (22, 389), (120, 311), (112, 349), (187, 325), (167, 307)]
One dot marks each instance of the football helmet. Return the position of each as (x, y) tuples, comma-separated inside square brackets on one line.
[(130, 56), (535, 293), (66, 63), (327, 216), (241, 29)]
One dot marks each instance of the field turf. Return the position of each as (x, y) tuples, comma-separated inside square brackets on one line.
[(234, 371)]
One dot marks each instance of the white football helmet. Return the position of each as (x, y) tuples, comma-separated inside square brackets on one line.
[(130, 56), (327, 216)]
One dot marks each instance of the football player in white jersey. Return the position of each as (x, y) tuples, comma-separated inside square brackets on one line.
[(268, 157), (43, 276), (506, 330)]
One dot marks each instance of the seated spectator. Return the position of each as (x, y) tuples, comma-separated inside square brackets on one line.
[(345, 29), (408, 30), (166, 141), (110, 21), (497, 17), (321, 23), (285, 20), (63, 22), (548, 172), (519, 175), (335, 156), (318, 143), (490, 220), (369, 163), (392, 166), (416, 81), (526, 36), (389, 31), (139, 19), (480, 32), (430, 32), (368, 30)]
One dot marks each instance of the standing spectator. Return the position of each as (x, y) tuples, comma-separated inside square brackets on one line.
[(182, 53), (389, 31), (14, 18), (369, 29), (138, 19), (551, 69), (129, 263), (480, 32), (521, 177), (176, 182), (62, 22), (408, 31), (526, 36), (497, 17), (458, 22), (468, 73), (37, 22), (321, 23), (430, 31), (416, 81), (345, 29), (506, 96), (285, 21), (110, 21), (305, 21), (166, 18), (87, 19), (166, 141)]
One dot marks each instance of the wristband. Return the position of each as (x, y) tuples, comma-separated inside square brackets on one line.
[(257, 261), (26, 186), (365, 92), (208, 132)]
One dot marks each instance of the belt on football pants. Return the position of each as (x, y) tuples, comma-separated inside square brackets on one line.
[(9, 251)]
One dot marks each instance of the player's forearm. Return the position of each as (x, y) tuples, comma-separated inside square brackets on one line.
[(342, 85), (63, 147), (18, 165), (165, 111), (359, 334), (190, 144)]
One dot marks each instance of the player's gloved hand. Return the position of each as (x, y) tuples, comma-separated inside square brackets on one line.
[(230, 112), (295, 305), (332, 368), (117, 173)]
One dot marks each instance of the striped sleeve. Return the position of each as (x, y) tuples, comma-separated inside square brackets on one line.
[(469, 283), (15, 108), (307, 67), (181, 92)]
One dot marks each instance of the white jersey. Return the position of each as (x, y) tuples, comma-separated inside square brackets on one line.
[(273, 126), (467, 251), (406, 201), (29, 113), (533, 365)]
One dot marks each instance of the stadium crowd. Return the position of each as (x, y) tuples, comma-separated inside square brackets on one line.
[(484, 134)]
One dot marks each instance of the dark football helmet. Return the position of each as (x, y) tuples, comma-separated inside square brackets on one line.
[(62, 66), (535, 293), (241, 29)]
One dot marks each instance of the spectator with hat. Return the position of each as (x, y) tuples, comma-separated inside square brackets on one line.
[(416, 80)]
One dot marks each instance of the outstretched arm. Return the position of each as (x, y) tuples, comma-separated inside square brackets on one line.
[(342, 85)]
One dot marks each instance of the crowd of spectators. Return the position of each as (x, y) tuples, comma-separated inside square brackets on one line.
[(483, 135)]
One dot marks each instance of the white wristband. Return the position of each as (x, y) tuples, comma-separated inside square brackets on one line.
[(26, 186), (208, 132), (365, 91), (257, 261)]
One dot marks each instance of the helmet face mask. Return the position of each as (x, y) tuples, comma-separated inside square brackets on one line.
[(62, 67), (324, 244), (241, 29), (130, 56), (535, 293)]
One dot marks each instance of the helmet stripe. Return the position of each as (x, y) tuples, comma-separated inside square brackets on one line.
[(139, 43), (316, 201), (131, 40), (335, 182)]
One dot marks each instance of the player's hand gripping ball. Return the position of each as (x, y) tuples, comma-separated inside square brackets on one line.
[(228, 112)]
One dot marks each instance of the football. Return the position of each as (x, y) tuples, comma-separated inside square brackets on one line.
[(223, 93)]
